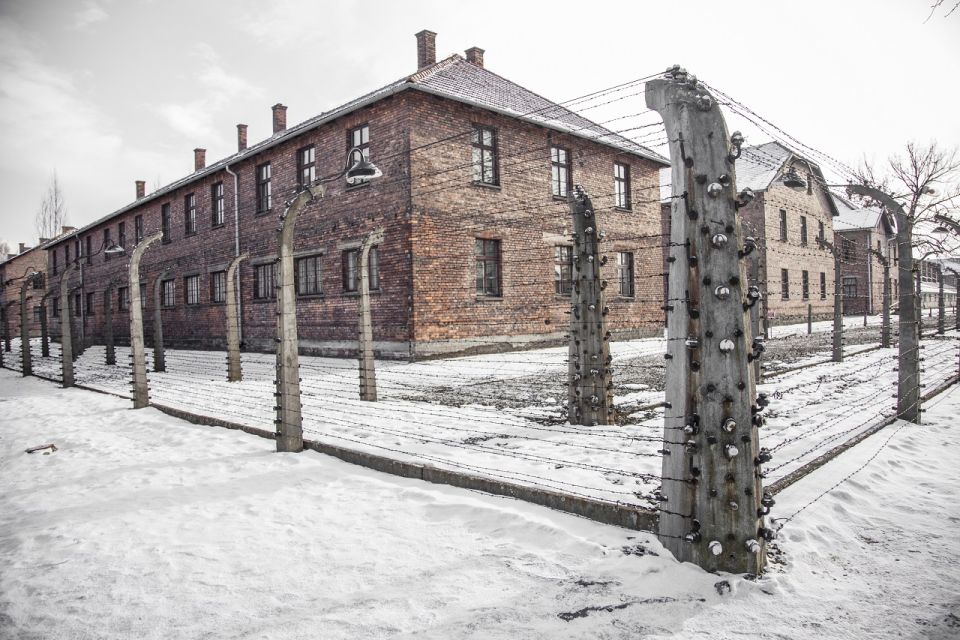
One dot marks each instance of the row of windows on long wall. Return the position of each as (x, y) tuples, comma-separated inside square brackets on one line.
[(308, 275), (784, 235), (804, 284)]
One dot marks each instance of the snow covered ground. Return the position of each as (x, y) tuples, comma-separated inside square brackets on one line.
[(812, 411), (144, 526)]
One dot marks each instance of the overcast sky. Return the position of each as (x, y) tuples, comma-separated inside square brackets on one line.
[(105, 92)]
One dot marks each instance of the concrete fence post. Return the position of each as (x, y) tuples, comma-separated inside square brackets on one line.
[(837, 350), (809, 319), (26, 357), (44, 329), (66, 330), (712, 501), (141, 394), (368, 375), (159, 359), (590, 395), (6, 325), (111, 352), (234, 369), (941, 303)]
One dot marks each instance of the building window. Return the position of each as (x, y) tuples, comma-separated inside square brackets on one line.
[(263, 288), (138, 229), (218, 286), (351, 270), (168, 293), (77, 304), (849, 251), (625, 273), (122, 234), (66, 255), (56, 307), (123, 298), (783, 225), (823, 285), (89, 249), (191, 285), (849, 288), (487, 253), (306, 166), (484, 155), (621, 185), (106, 243), (189, 214), (803, 230), (784, 284), (264, 190), (561, 178), (36, 314), (562, 270), (820, 231), (165, 222), (805, 284), (216, 204), (91, 303), (55, 268), (359, 138), (309, 281)]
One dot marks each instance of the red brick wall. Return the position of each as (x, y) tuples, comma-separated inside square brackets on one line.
[(13, 270)]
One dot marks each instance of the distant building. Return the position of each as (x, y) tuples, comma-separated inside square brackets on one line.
[(862, 234), (13, 272)]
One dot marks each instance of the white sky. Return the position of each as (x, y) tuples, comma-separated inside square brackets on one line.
[(106, 92)]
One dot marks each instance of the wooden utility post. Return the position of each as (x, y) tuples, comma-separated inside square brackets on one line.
[(590, 397), (837, 355), (368, 375), (66, 331), (908, 361), (159, 360), (885, 321), (26, 359), (138, 356), (234, 370), (712, 498)]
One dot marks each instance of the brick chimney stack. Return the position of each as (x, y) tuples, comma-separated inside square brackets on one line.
[(23, 247), (279, 118), (141, 188), (426, 48), (241, 137), (475, 56), (199, 159)]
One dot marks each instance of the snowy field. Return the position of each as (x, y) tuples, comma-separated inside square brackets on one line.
[(144, 526), (813, 410)]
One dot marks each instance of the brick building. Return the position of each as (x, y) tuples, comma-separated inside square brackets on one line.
[(789, 266), (13, 270), (476, 252), (859, 232)]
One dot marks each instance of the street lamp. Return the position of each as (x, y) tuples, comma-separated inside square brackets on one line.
[(792, 180), (289, 421)]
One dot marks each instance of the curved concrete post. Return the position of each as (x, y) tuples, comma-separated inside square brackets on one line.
[(712, 488), (234, 370), (66, 331), (25, 355), (908, 365), (159, 361), (289, 419), (941, 303), (111, 352), (44, 330), (368, 376), (141, 396)]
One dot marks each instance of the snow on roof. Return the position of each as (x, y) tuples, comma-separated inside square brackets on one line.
[(453, 78), (856, 219), (758, 166)]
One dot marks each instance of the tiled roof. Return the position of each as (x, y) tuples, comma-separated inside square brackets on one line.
[(453, 78)]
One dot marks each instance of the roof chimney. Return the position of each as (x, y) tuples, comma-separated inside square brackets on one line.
[(199, 159), (241, 137), (279, 118), (141, 191), (44, 240), (64, 230), (426, 49), (23, 247), (475, 56)]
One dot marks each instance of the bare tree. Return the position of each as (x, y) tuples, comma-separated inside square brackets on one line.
[(52, 213), (4, 250), (939, 3)]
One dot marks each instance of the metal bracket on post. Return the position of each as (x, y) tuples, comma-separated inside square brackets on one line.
[(234, 370), (368, 375), (141, 395), (590, 396), (712, 499)]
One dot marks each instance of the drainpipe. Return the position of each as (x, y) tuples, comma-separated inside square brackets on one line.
[(236, 251)]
